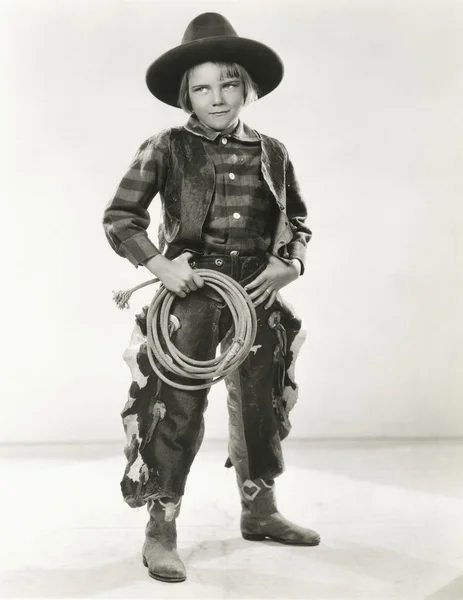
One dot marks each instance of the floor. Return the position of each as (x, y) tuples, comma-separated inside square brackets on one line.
[(390, 515)]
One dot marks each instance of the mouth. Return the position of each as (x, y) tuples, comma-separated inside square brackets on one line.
[(219, 113)]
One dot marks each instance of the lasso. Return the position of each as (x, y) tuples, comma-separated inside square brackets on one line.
[(165, 358)]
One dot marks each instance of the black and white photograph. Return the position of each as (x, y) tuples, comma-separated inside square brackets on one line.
[(232, 299)]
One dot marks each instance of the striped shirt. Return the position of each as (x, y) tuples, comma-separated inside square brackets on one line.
[(242, 212)]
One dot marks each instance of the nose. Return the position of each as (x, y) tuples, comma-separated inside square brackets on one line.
[(217, 98)]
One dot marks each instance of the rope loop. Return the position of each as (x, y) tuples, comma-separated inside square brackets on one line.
[(166, 360)]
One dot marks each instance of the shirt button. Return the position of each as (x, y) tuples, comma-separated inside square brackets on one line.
[(224, 141), (236, 215), (231, 175), (234, 253)]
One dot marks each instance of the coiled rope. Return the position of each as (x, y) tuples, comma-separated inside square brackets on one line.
[(165, 357)]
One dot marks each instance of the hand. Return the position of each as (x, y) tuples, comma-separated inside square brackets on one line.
[(276, 275), (175, 275)]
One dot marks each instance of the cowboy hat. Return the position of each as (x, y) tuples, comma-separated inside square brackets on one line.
[(210, 37)]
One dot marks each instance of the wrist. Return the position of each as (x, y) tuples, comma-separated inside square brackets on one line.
[(156, 263)]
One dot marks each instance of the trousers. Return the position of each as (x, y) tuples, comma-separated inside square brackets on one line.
[(164, 426)]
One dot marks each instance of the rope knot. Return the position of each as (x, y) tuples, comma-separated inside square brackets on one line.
[(121, 298)]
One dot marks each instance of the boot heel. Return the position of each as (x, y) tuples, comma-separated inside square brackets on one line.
[(144, 562), (253, 537)]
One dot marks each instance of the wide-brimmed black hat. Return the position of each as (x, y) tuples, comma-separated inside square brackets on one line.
[(210, 37)]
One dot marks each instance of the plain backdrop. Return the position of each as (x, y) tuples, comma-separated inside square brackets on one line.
[(371, 110)]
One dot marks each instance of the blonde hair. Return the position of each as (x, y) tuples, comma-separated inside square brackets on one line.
[(229, 69)]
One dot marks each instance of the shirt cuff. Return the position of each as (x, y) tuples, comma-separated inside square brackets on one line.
[(138, 249)]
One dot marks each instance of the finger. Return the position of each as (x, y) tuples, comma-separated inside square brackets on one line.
[(271, 300), (260, 299), (181, 293), (259, 280), (198, 280), (191, 285), (266, 293), (263, 289)]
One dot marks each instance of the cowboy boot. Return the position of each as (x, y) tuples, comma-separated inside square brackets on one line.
[(260, 518), (160, 547)]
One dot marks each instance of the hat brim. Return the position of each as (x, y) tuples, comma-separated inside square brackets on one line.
[(263, 64)]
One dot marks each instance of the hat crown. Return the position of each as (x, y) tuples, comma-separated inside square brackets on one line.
[(210, 37), (208, 25)]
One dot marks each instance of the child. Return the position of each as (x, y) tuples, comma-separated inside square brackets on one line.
[(231, 203)]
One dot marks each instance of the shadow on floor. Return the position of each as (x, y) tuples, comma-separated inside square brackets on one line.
[(452, 591), (375, 566), (430, 466)]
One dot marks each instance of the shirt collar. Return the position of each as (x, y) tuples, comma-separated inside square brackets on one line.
[(242, 132)]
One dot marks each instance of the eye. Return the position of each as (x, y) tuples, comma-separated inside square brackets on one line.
[(230, 85), (200, 89)]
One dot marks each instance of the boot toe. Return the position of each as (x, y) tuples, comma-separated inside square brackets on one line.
[(303, 539), (166, 572), (279, 529)]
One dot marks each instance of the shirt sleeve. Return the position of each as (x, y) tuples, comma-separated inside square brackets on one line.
[(126, 217), (297, 215)]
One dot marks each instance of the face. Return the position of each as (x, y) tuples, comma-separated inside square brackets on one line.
[(216, 102)]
